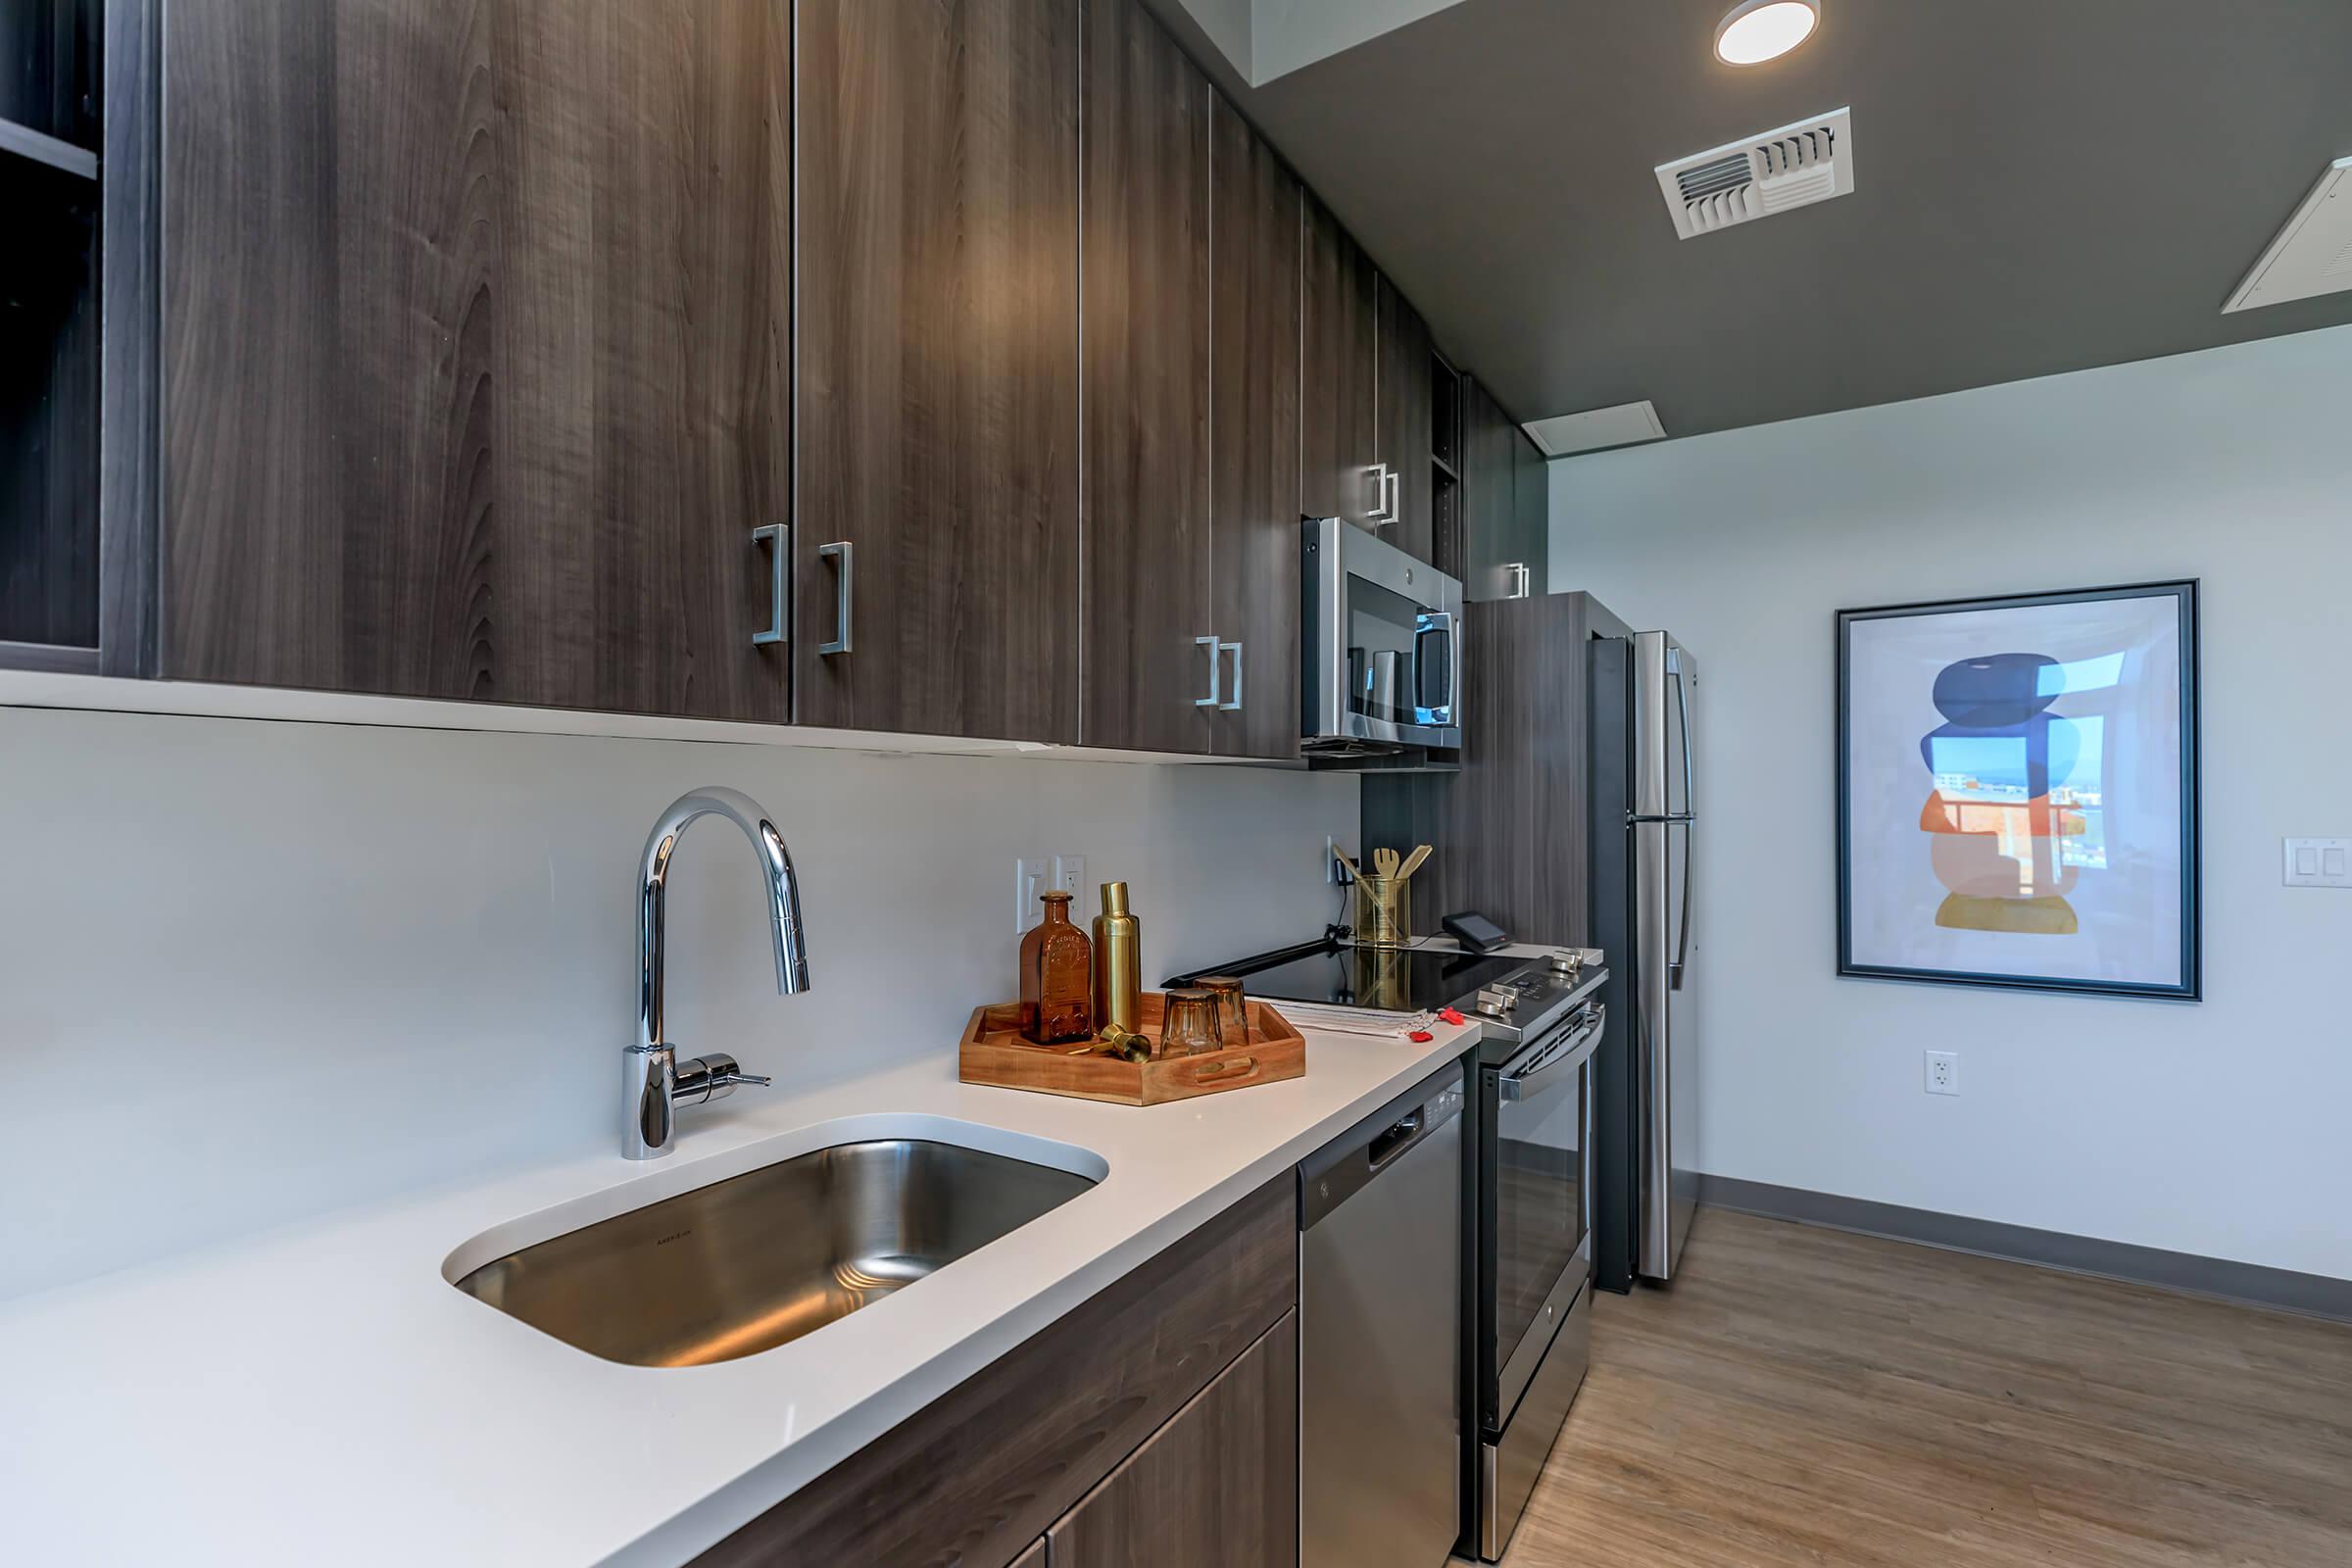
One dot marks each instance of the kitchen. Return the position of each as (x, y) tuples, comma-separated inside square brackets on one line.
[(1043, 445)]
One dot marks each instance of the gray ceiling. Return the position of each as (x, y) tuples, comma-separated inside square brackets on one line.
[(2042, 185)]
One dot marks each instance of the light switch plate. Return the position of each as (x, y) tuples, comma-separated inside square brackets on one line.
[(1028, 881), (2318, 863)]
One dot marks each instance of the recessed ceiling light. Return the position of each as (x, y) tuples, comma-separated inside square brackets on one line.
[(1757, 30)]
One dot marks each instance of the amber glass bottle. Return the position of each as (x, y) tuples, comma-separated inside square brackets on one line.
[(1058, 978)]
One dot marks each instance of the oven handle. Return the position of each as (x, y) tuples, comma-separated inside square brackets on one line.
[(1516, 1085)]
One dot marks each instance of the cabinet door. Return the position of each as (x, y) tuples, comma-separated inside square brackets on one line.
[(1253, 444), (1490, 445), (474, 339), (1341, 341), (1531, 492), (1218, 1484), (1152, 637), (936, 532), (1034, 1558), (1405, 431)]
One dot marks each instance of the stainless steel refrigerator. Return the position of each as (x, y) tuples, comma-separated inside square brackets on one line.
[(1644, 716)]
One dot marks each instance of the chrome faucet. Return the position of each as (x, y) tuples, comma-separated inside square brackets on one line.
[(656, 1084)]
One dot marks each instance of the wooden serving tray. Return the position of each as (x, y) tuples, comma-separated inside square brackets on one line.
[(993, 1051)]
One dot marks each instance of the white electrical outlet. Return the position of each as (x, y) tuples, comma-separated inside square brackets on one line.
[(1943, 1072), (1028, 881), (1070, 875)]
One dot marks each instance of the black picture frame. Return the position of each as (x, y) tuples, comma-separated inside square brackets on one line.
[(2191, 984)]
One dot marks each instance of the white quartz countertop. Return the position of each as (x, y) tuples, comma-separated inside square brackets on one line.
[(323, 1393)]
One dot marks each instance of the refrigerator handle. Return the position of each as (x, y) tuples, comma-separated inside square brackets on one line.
[(1682, 946), (1681, 709)]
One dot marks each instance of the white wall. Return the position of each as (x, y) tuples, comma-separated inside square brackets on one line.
[(254, 971), (2222, 1129), (1287, 35)]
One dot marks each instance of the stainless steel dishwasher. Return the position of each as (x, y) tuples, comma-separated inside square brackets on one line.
[(1380, 1434)]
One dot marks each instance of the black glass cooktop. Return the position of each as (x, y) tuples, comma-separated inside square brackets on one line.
[(1406, 980)]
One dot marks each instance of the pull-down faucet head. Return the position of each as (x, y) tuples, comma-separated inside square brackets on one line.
[(655, 1083)]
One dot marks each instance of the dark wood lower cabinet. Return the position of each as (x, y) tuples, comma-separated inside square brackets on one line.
[(985, 1470), (1219, 1483), (1034, 1558)]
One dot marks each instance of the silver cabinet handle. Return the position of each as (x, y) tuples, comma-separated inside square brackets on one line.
[(778, 540), (1215, 671), (1522, 579), (1233, 705), (1382, 510), (844, 563), (1396, 496)]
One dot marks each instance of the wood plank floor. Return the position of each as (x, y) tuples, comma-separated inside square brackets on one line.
[(1805, 1397)]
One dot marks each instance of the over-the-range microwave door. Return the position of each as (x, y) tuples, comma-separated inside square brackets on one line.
[(1381, 664)]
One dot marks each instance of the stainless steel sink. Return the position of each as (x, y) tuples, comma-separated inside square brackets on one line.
[(761, 1258)]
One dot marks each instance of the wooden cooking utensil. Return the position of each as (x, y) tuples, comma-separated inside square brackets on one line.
[(1412, 862)]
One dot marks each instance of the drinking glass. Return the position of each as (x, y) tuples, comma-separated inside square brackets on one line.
[(1233, 1009), (1188, 1023)]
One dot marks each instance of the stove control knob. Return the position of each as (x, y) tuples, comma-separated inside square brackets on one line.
[(1567, 963), (1496, 1002)]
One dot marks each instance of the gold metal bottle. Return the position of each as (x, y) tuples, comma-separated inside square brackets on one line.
[(1118, 962)]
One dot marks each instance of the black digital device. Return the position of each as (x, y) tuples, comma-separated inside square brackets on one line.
[(1474, 931)]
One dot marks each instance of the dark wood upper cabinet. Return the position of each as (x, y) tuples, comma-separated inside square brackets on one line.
[(1404, 436), (1337, 438), (1153, 647), (474, 345), (1495, 545), (1218, 1484), (1253, 444), (59, 591), (1531, 506), (936, 537)]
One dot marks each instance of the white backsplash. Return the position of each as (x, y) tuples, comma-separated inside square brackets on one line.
[(256, 971)]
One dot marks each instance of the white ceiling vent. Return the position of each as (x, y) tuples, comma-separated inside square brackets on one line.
[(1597, 429), (1757, 176), (2313, 253)]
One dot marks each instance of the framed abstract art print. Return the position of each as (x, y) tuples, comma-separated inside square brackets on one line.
[(2017, 792)]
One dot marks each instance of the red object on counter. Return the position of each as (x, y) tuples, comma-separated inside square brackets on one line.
[(1450, 1015), (1420, 1037)]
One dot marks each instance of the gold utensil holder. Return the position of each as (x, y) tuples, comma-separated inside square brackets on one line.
[(1383, 910)]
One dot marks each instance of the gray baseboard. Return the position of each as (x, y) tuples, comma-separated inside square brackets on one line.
[(2251, 1284)]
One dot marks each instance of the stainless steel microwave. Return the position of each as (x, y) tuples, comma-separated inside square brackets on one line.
[(1382, 667)]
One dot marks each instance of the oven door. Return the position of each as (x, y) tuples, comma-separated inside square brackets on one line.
[(1539, 1165), (1383, 643)]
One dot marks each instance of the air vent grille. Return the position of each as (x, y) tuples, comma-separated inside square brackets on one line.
[(1795, 165), (2312, 255), (1725, 174)]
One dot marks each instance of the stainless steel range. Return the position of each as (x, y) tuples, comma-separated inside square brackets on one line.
[(1527, 1180)]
